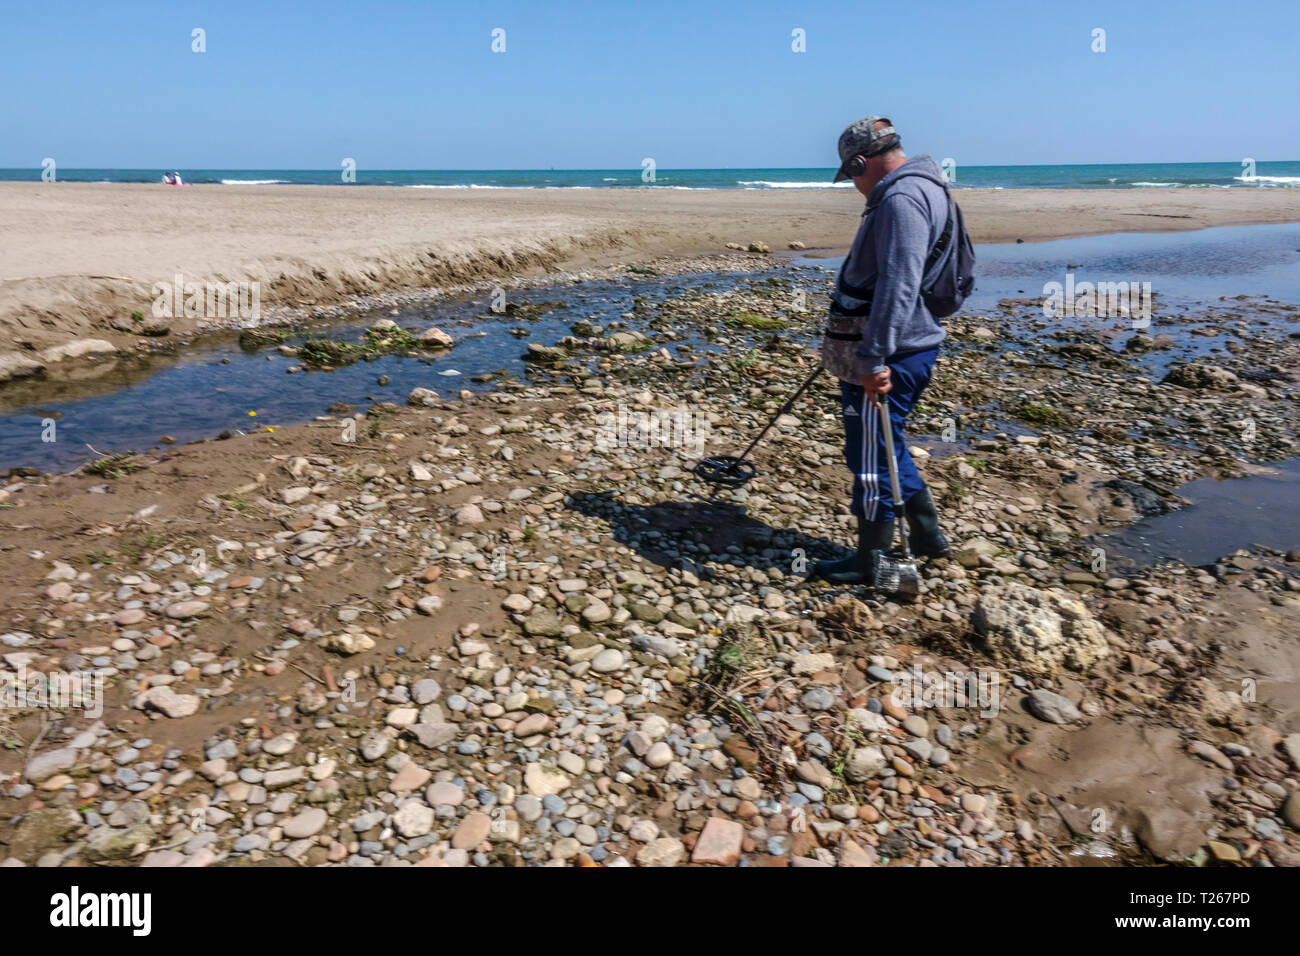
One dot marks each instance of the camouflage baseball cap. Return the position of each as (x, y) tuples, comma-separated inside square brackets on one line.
[(859, 139)]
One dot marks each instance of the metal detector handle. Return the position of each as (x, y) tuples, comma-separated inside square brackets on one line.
[(789, 403), (888, 428)]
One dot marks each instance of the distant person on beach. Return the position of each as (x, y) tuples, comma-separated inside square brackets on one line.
[(881, 340), (167, 179), (176, 180)]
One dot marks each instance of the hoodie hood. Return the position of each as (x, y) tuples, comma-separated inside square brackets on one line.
[(922, 166)]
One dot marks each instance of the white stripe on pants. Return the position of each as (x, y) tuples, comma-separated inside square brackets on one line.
[(870, 416)]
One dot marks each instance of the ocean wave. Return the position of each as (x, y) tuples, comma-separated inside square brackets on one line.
[(254, 182), (1267, 179), (767, 184), (1183, 185)]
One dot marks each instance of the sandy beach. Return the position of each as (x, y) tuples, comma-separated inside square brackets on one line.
[(74, 257)]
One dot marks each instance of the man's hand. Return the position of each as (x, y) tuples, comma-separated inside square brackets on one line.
[(877, 385)]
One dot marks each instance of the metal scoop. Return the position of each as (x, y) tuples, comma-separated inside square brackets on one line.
[(890, 574)]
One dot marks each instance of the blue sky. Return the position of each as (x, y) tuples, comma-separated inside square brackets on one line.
[(400, 84)]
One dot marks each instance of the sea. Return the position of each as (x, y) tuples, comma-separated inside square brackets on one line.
[(1244, 174)]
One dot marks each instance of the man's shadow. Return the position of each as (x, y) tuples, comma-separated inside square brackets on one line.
[(702, 530)]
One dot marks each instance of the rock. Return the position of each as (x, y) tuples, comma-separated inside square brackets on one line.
[(42, 830), (973, 803), (1291, 810), (1220, 707), (425, 691), (414, 819), (1223, 852), (1211, 754), (865, 763), (1198, 376), (544, 354), (46, 765), (154, 326), (347, 643), (1291, 746), (109, 843), (429, 604), (532, 724), (469, 514), (518, 603), (608, 661), (473, 830), (433, 735), (659, 755), (171, 703), (805, 664), (758, 246), (1169, 834), (444, 794), (18, 365), (596, 612), (280, 745), (184, 610), (411, 777), (81, 348), (435, 339), (277, 779), (853, 854), (665, 647), (542, 622), (544, 779), (916, 725), (719, 843), (665, 851), (306, 824), (1053, 708), (1039, 631), (422, 396)]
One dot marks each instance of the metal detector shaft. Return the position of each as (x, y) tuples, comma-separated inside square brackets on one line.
[(888, 427), (789, 403)]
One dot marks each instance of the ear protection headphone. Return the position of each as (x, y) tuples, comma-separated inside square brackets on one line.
[(856, 167)]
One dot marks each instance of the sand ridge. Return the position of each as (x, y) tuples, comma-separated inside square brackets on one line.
[(76, 256)]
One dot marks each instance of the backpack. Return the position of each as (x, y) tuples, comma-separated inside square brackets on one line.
[(949, 273)]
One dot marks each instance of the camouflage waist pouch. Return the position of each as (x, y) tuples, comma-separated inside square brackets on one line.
[(840, 343)]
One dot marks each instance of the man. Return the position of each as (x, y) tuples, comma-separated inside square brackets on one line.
[(881, 340)]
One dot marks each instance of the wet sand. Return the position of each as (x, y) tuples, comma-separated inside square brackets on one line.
[(75, 256)]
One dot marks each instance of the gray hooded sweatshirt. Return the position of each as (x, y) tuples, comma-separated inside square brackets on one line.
[(904, 217)]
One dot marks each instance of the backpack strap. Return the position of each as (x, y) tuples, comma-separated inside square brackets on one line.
[(937, 254)]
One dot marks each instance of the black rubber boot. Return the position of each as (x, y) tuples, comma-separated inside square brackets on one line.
[(926, 539), (857, 568)]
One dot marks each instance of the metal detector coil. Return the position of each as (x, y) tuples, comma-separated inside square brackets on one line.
[(733, 470), (725, 470)]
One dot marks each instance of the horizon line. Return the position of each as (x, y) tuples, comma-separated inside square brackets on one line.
[(629, 169)]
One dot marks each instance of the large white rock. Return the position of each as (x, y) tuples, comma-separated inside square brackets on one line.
[(1038, 631), (78, 349)]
